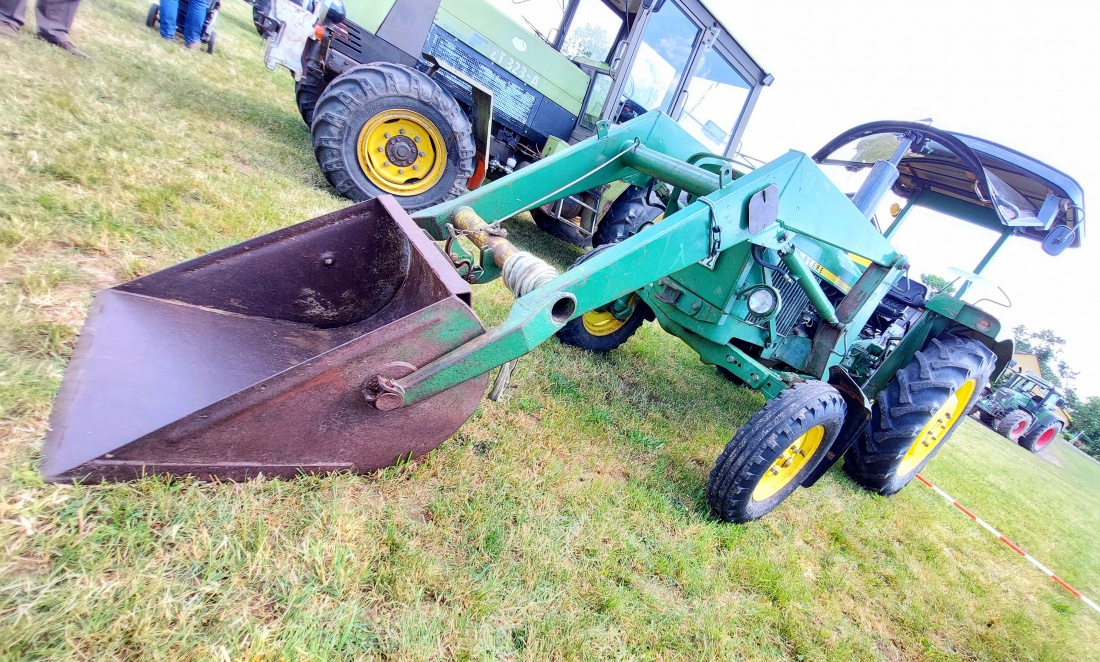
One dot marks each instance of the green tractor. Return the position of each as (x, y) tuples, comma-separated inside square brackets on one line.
[(348, 343), (425, 99), (1024, 409)]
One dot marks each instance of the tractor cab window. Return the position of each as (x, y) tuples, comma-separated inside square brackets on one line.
[(541, 18), (715, 95), (592, 32), (662, 58)]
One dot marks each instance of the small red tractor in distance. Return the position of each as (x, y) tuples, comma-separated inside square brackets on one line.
[(347, 342)]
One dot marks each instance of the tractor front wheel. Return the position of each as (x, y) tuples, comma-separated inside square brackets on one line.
[(152, 15), (605, 328), (770, 456), (1040, 436), (385, 128), (1014, 425), (921, 406)]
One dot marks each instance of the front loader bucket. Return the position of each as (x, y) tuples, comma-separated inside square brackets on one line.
[(252, 359)]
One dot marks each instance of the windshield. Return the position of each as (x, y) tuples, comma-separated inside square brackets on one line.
[(661, 60), (592, 31), (715, 95)]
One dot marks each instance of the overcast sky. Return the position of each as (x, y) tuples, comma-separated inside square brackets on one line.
[(1026, 75)]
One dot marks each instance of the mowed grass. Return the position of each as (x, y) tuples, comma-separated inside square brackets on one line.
[(566, 521)]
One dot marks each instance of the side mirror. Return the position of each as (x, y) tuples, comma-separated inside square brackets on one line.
[(336, 12), (1059, 239)]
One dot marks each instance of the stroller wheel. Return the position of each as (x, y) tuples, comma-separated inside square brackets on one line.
[(210, 42), (151, 17)]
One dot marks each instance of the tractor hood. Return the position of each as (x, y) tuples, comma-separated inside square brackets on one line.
[(1001, 187)]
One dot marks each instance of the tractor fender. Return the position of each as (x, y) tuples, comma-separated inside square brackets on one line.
[(979, 325), (856, 422)]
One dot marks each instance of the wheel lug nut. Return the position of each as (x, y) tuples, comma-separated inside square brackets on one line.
[(416, 167), (416, 139), (421, 153), (402, 132), (386, 164), (400, 171), (387, 134), (380, 149)]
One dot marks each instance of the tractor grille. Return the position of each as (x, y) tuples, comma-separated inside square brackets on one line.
[(793, 302), (512, 102)]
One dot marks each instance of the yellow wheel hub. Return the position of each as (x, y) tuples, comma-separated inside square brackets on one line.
[(789, 463), (402, 152), (604, 322), (942, 422)]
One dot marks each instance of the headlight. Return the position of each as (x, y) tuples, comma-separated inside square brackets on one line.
[(763, 301)]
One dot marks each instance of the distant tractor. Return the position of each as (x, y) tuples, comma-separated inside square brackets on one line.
[(1024, 410), (426, 99)]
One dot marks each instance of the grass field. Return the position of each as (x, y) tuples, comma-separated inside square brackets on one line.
[(566, 521)]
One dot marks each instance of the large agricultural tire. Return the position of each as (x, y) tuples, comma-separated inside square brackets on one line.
[(307, 91), (152, 15), (628, 215), (770, 456), (987, 418), (915, 415), (1014, 425), (1040, 435), (602, 330), (375, 113)]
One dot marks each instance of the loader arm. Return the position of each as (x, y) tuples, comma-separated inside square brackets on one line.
[(720, 218)]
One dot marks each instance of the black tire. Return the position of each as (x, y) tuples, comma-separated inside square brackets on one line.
[(362, 93), (307, 91), (1014, 425), (987, 418), (627, 216), (578, 334), (1036, 439), (151, 15), (563, 230), (210, 42), (915, 396), (756, 448)]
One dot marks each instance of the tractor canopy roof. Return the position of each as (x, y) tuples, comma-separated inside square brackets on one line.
[(971, 178)]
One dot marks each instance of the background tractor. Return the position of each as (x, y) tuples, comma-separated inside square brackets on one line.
[(1024, 409), (347, 342), (424, 99)]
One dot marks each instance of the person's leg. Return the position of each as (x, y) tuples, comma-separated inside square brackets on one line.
[(13, 12), (196, 16), (55, 18), (168, 11)]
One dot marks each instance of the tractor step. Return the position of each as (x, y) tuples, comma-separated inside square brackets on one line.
[(253, 359)]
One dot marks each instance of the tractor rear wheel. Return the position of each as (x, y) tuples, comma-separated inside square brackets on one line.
[(917, 412), (385, 128), (607, 327), (1040, 436), (628, 215), (1014, 425), (770, 456), (307, 91)]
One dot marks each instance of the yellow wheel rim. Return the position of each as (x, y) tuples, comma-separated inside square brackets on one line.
[(604, 323), (942, 422), (401, 152), (789, 463)]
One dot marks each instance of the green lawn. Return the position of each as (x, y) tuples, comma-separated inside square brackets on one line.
[(566, 521)]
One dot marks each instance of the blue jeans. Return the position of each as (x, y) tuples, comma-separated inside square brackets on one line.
[(192, 22)]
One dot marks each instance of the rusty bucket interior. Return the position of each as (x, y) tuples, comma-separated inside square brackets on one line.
[(253, 359)]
